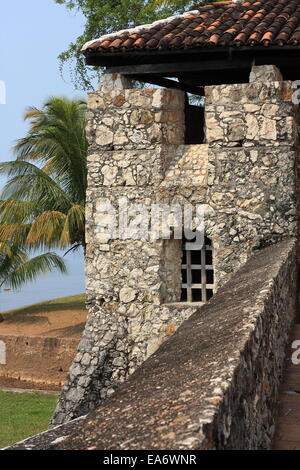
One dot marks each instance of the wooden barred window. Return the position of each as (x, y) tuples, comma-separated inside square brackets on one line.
[(197, 273)]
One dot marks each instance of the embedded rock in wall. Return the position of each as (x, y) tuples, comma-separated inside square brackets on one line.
[(265, 73)]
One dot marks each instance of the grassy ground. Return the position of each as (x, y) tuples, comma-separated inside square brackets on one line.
[(23, 415), (74, 302)]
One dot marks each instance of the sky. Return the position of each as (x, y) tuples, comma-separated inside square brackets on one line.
[(32, 35)]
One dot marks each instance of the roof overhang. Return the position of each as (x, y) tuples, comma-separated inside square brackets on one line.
[(198, 67)]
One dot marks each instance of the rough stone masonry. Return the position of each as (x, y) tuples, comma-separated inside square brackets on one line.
[(213, 384), (243, 175)]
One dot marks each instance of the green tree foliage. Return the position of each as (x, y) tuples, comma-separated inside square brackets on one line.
[(107, 16), (42, 204)]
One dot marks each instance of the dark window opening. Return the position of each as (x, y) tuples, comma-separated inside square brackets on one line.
[(194, 124), (197, 273)]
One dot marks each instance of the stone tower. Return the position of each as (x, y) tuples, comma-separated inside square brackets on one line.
[(242, 176)]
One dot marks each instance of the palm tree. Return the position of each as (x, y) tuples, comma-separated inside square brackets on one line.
[(42, 204), (16, 267)]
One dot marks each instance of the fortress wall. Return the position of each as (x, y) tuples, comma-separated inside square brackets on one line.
[(243, 177), (213, 384), (40, 361)]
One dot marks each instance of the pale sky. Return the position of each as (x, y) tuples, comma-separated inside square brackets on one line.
[(32, 34)]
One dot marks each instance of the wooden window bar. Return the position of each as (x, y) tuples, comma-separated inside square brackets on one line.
[(189, 267)]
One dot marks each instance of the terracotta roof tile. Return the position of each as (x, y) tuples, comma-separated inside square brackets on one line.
[(250, 23)]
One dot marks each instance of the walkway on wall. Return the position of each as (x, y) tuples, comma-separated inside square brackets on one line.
[(287, 435)]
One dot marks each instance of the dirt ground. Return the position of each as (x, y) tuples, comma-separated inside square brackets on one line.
[(58, 324), (9, 384), (53, 319)]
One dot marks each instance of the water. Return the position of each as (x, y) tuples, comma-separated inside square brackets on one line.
[(48, 287)]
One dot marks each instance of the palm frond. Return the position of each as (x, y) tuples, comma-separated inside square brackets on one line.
[(14, 234), (57, 138), (74, 227), (13, 211), (42, 204), (5, 250), (29, 270), (46, 230), (29, 183)]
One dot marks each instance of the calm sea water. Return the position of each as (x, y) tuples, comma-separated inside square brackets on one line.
[(48, 287)]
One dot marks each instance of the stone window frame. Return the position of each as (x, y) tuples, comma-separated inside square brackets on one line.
[(189, 267)]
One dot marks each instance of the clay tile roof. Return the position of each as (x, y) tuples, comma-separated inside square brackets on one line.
[(235, 23)]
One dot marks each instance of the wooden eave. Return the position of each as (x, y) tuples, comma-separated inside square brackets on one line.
[(199, 67)]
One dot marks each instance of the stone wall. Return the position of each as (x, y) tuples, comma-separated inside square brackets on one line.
[(251, 130), (244, 178), (133, 135), (214, 384), (298, 198), (40, 361), (218, 376)]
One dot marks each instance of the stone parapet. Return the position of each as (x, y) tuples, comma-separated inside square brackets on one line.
[(135, 119), (249, 115), (214, 384)]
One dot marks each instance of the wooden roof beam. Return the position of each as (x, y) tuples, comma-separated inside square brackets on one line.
[(167, 83), (178, 68)]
